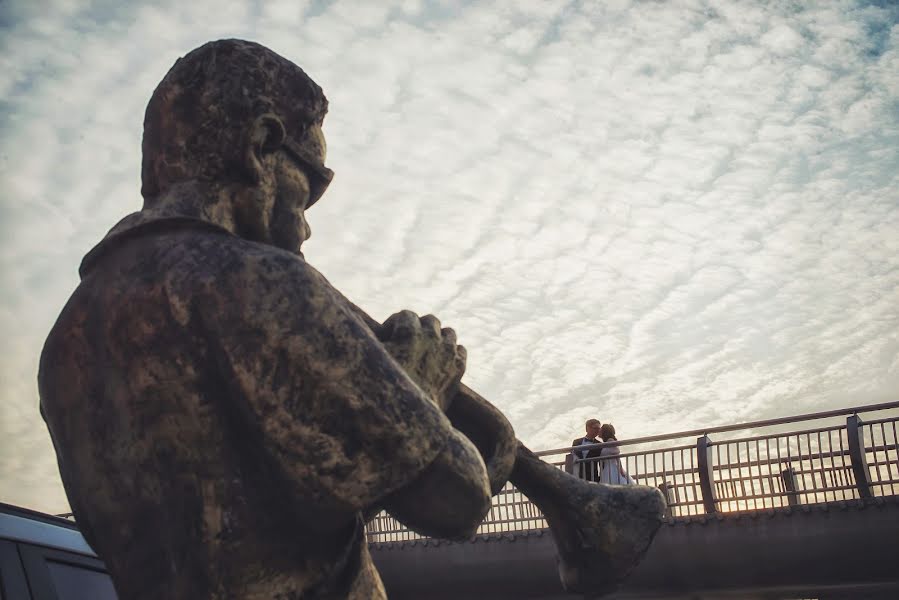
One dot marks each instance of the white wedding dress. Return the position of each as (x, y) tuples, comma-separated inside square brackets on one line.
[(611, 468)]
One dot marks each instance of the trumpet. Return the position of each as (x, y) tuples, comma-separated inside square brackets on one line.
[(601, 531)]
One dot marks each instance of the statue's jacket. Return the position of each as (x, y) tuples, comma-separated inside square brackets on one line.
[(221, 412)]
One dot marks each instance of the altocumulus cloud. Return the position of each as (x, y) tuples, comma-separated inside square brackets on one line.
[(660, 214)]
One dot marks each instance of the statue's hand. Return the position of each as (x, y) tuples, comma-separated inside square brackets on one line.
[(428, 353)]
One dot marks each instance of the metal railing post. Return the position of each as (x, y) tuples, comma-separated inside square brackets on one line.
[(856, 436), (788, 476), (569, 463), (667, 488), (706, 474)]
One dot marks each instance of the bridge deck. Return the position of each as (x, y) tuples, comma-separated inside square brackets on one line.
[(845, 549)]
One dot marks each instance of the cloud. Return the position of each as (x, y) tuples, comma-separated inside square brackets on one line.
[(665, 215)]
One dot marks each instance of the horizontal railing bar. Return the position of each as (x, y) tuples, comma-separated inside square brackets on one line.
[(735, 465), (814, 471), (796, 472), (749, 478), (685, 503), (635, 453), (839, 488), (783, 459), (507, 492), (879, 421), (685, 485), (504, 521), (881, 448), (759, 463), (767, 476), (757, 496), (483, 524), (693, 471), (737, 427), (512, 502), (806, 492), (772, 436)]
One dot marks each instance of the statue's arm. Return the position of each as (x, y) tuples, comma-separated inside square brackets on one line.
[(342, 418), (451, 497)]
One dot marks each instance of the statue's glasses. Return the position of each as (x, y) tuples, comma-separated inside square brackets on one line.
[(319, 176)]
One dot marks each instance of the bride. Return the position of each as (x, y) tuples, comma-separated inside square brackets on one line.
[(612, 471)]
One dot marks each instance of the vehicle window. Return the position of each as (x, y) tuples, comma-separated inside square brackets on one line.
[(12, 576), (77, 583)]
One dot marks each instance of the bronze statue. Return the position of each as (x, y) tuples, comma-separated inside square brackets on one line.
[(225, 420)]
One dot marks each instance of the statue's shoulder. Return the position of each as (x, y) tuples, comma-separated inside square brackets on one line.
[(178, 243), (183, 261)]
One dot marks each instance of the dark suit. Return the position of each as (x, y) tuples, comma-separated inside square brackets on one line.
[(585, 470)]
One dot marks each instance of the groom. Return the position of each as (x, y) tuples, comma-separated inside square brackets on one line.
[(588, 470)]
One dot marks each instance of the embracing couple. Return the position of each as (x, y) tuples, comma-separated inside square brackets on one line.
[(608, 467)]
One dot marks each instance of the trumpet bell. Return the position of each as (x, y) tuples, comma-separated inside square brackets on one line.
[(601, 531)]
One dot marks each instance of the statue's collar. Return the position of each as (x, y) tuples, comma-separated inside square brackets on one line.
[(139, 224)]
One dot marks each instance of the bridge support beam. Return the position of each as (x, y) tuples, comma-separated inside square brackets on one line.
[(706, 473), (856, 436)]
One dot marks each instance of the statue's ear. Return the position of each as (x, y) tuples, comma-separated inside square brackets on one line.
[(266, 135)]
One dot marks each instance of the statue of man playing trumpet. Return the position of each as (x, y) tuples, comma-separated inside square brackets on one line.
[(225, 420)]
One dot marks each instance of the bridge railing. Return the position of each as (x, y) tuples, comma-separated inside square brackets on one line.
[(749, 466), (882, 441)]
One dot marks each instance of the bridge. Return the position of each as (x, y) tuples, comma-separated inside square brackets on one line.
[(796, 507)]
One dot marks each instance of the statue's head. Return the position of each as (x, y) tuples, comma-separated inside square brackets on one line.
[(234, 113)]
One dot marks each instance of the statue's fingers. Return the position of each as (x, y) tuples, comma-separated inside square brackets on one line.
[(430, 326), (461, 358), (401, 325), (448, 335), (450, 350)]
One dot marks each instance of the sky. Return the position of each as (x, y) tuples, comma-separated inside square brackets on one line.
[(666, 215)]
